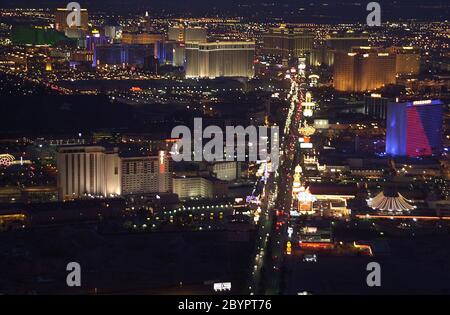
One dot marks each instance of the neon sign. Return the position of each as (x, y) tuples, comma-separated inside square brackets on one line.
[(6, 159)]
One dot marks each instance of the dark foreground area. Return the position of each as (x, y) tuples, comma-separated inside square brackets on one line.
[(34, 262)]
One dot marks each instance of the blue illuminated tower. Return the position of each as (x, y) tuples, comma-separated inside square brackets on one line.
[(414, 129)]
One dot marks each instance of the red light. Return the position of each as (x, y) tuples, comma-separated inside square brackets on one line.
[(315, 245)]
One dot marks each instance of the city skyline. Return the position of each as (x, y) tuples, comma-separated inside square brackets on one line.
[(226, 150)]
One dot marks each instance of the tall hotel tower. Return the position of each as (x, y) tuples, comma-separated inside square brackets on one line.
[(287, 42), (146, 174), (88, 170), (220, 59), (414, 129), (363, 70), (98, 171)]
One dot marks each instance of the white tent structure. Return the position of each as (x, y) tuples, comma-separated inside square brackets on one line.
[(396, 203)]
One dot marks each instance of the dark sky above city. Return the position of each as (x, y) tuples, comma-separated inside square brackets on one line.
[(344, 10)]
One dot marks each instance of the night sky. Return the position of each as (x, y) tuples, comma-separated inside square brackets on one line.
[(314, 11)]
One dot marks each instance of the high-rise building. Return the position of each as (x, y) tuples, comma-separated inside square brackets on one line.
[(407, 61), (97, 171), (287, 42), (321, 56), (171, 52), (187, 34), (146, 174), (220, 59), (414, 128), (364, 69), (226, 171), (195, 186), (88, 170), (337, 42), (61, 20), (375, 106)]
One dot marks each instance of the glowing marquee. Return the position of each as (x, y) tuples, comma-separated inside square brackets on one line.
[(306, 130), (308, 105), (6, 159), (424, 102)]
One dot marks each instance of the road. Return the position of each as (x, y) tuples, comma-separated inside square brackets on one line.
[(267, 274)]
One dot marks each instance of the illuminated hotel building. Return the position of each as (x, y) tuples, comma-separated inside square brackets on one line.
[(414, 128), (97, 171), (321, 56), (190, 187), (336, 43), (407, 61), (226, 171), (187, 34), (84, 170), (61, 20), (363, 70), (146, 174), (220, 59), (287, 42)]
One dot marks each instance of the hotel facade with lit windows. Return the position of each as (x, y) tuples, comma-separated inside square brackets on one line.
[(287, 42), (369, 68), (363, 70), (193, 187), (88, 170), (94, 171), (146, 174), (220, 59)]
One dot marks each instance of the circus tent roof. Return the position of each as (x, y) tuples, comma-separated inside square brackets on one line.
[(390, 202)]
